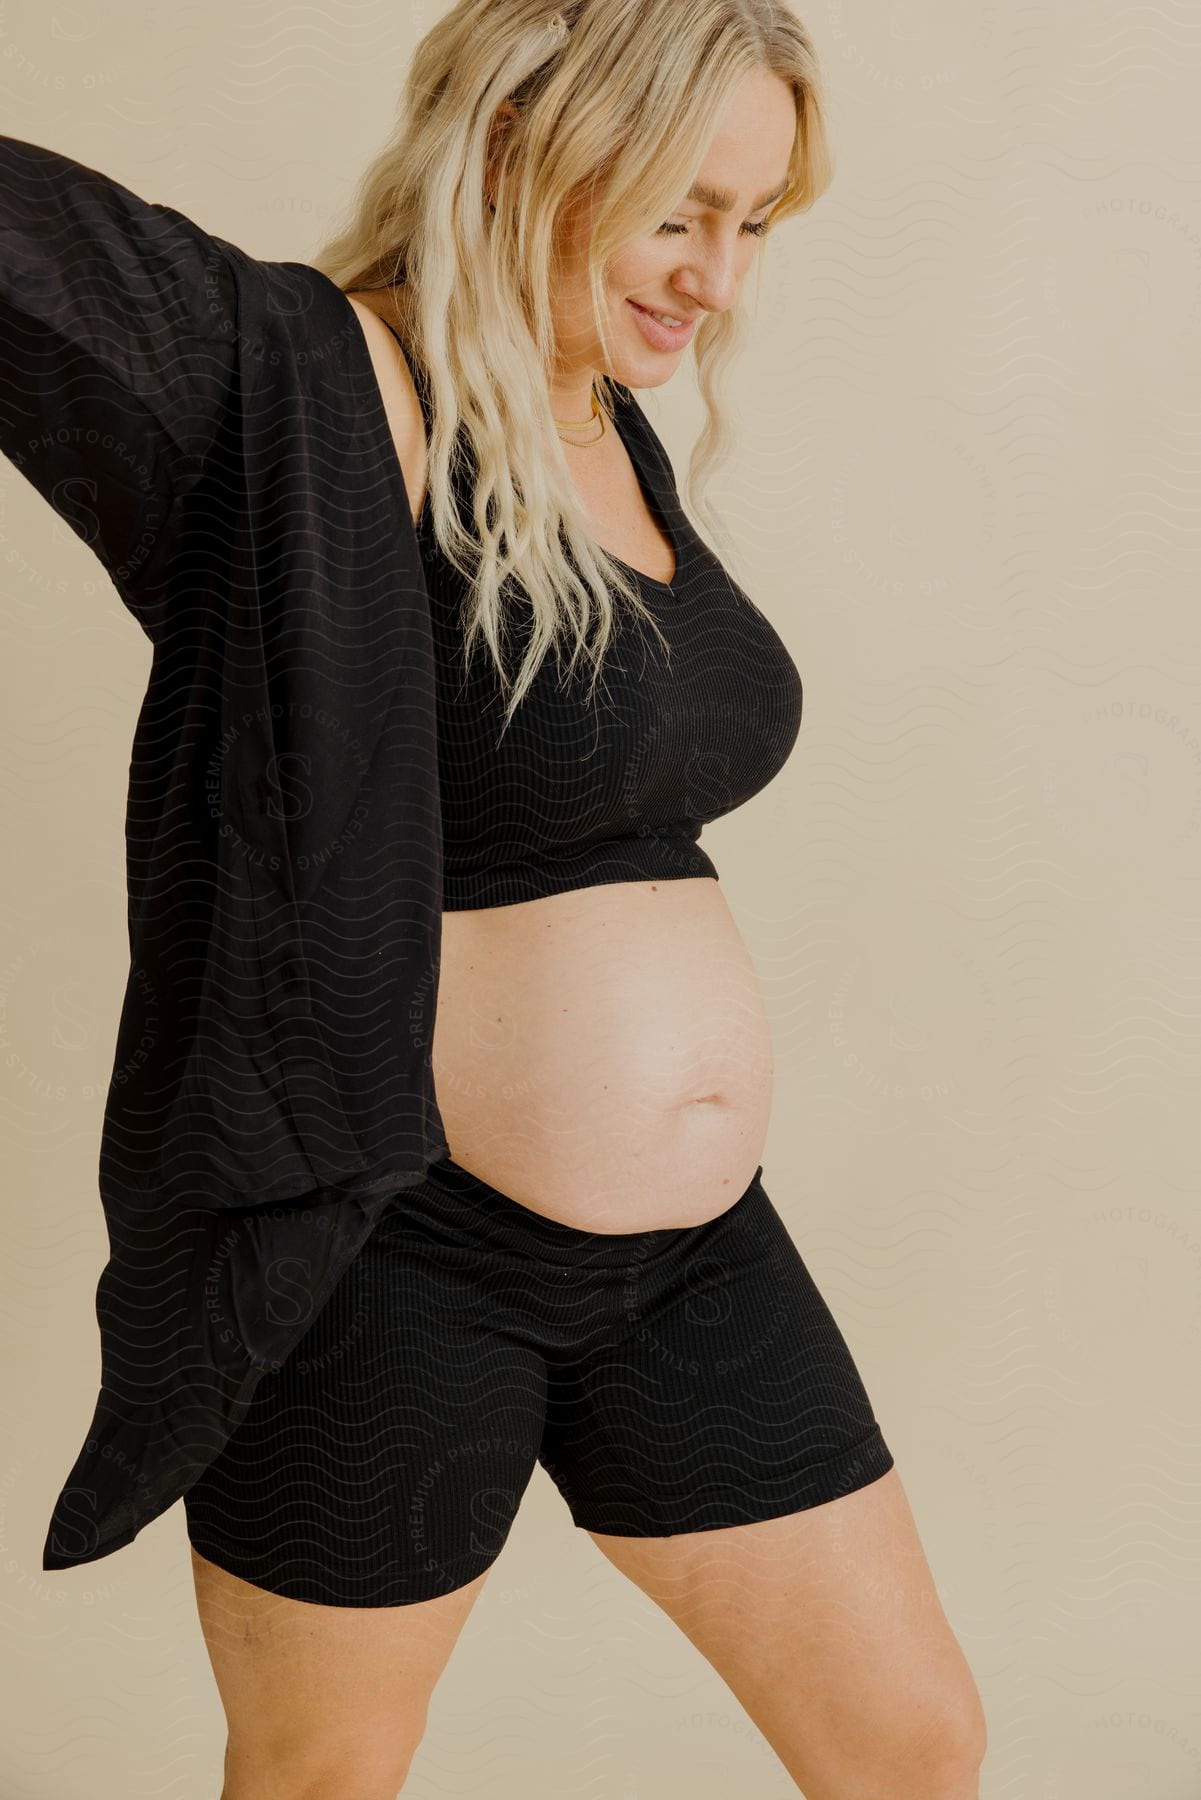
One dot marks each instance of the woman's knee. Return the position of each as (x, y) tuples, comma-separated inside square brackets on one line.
[(330, 1770), (940, 1758)]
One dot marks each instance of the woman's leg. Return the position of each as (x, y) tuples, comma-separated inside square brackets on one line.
[(722, 1451), (322, 1702), (827, 1627), (343, 1532)]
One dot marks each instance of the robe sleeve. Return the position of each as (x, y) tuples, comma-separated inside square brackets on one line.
[(117, 352)]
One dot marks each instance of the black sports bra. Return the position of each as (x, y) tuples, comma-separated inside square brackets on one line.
[(581, 792)]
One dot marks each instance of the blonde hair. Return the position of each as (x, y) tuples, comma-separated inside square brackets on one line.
[(616, 99)]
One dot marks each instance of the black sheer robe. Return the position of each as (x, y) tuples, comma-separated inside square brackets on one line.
[(211, 426)]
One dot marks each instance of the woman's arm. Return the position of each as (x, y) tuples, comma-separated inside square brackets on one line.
[(118, 335)]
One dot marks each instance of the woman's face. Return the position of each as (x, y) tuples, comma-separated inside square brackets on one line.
[(692, 265)]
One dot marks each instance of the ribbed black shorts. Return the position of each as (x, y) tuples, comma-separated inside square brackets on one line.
[(668, 1381)]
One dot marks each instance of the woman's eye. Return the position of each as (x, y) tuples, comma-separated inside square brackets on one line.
[(752, 230)]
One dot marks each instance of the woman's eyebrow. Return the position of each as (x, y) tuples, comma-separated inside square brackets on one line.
[(724, 201)]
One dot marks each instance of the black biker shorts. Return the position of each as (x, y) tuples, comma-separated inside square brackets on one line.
[(668, 1381)]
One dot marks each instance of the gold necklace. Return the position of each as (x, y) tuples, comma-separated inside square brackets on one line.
[(583, 424)]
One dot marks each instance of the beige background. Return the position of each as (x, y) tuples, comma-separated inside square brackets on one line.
[(970, 436)]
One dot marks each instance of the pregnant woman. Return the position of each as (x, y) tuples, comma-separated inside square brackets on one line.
[(582, 1268)]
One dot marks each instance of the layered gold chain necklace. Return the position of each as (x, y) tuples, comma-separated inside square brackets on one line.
[(597, 412)]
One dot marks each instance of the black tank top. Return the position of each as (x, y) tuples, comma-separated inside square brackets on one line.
[(581, 791)]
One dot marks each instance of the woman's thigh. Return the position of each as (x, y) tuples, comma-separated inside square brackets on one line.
[(725, 1395), (827, 1626), (724, 1454), (333, 1695), (342, 1535), (382, 1465)]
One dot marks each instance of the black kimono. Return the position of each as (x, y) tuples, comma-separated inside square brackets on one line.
[(211, 426)]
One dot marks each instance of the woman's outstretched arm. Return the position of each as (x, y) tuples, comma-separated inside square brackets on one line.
[(118, 335)]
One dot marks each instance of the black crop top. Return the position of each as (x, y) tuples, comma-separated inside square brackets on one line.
[(580, 792)]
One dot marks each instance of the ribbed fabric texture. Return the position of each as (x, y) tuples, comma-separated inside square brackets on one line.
[(669, 1381), (584, 791)]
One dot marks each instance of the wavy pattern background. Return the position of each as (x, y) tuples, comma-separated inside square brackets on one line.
[(964, 496)]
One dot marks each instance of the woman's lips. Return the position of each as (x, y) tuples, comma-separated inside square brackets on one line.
[(662, 337)]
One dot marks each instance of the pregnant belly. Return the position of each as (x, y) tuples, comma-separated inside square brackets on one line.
[(603, 1057)]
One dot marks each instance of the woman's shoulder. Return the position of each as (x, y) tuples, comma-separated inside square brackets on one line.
[(376, 312)]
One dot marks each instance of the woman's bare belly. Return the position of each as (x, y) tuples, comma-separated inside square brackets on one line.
[(602, 1056)]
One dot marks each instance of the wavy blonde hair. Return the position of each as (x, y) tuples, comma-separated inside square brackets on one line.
[(617, 100)]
